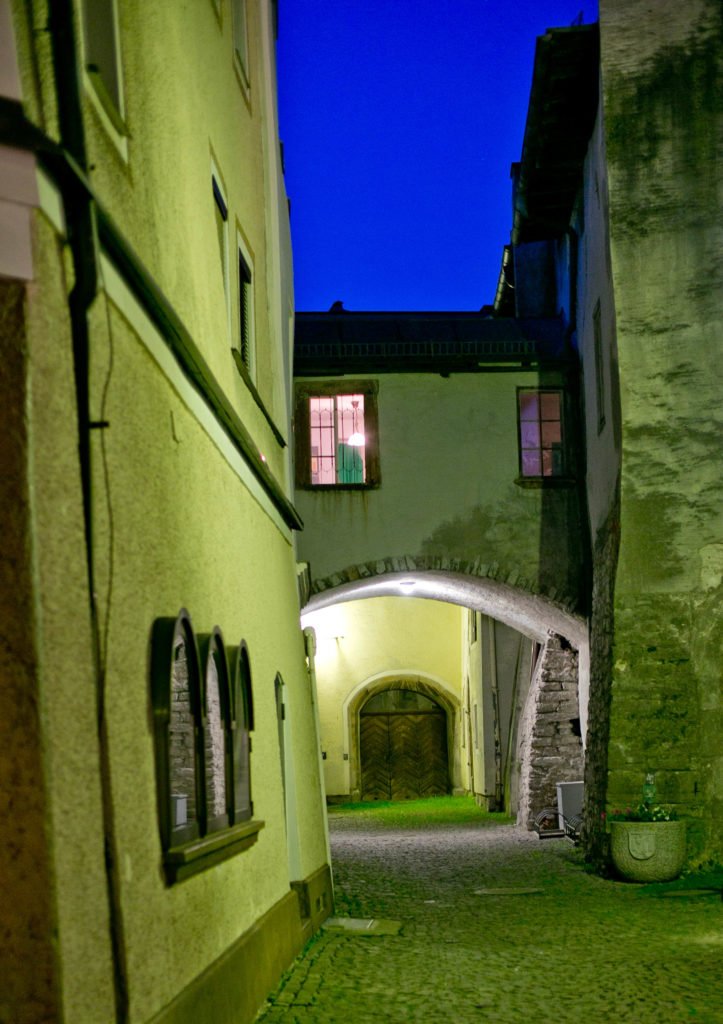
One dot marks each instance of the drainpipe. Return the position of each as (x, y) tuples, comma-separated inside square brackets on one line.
[(82, 240)]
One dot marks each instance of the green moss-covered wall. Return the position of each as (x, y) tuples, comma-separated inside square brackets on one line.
[(663, 92)]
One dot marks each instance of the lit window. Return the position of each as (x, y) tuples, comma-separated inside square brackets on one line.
[(337, 439), (540, 432), (202, 717)]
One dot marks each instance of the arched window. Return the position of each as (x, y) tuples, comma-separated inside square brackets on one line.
[(241, 726), (176, 681), (203, 715), (216, 730)]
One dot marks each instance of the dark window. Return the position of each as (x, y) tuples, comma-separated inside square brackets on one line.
[(540, 432), (202, 721), (246, 326), (216, 730), (241, 734), (102, 59), (240, 36), (337, 438)]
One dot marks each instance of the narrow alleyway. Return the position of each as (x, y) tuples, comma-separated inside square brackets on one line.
[(575, 948)]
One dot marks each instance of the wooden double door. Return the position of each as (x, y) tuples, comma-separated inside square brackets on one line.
[(403, 752)]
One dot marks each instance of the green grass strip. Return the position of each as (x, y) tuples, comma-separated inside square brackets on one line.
[(436, 810)]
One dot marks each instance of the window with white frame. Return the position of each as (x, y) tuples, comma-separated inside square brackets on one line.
[(337, 435)]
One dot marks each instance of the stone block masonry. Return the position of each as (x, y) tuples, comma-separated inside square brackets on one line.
[(550, 747)]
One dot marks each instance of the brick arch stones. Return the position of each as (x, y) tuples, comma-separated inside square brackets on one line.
[(511, 600), (551, 623)]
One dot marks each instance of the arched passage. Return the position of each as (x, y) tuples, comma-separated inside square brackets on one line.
[(526, 736)]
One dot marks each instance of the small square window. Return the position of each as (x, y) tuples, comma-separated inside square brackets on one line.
[(337, 435), (540, 432)]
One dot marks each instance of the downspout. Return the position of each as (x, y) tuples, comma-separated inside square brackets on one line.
[(81, 238)]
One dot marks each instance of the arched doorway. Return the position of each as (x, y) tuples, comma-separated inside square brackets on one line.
[(402, 746)]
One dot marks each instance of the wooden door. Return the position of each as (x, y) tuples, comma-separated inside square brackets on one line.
[(403, 755)]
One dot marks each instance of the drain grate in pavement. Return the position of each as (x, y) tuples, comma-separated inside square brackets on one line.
[(362, 925), (507, 891)]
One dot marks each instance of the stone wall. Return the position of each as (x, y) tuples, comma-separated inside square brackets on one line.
[(662, 71), (550, 748), (605, 556)]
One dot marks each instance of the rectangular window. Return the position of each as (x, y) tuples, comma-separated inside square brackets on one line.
[(102, 58), (599, 368), (240, 37), (337, 439), (336, 435), (540, 432), (220, 208), (246, 312)]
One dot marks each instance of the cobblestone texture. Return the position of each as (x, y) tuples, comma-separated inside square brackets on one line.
[(583, 950)]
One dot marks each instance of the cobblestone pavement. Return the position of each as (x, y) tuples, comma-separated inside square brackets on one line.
[(584, 949)]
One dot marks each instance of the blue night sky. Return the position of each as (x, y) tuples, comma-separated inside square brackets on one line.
[(400, 119)]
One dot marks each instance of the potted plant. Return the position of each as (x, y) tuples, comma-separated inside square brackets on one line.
[(647, 842)]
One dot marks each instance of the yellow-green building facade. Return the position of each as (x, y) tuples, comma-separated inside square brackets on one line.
[(165, 851)]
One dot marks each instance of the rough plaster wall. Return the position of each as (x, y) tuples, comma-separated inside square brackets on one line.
[(449, 459), (549, 751), (663, 100), (67, 675), (196, 539), (176, 69), (363, 640), (28, 982)]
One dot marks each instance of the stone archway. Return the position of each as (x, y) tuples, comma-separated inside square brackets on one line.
[(434, 690), (536, 726)]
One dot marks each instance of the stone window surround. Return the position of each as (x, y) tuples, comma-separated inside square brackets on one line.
[(202, 843), (324, 389)]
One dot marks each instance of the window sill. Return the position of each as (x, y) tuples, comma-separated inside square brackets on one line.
[(246, 378), (109, 116), (373, 486), (545, 481), (196, 856)]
